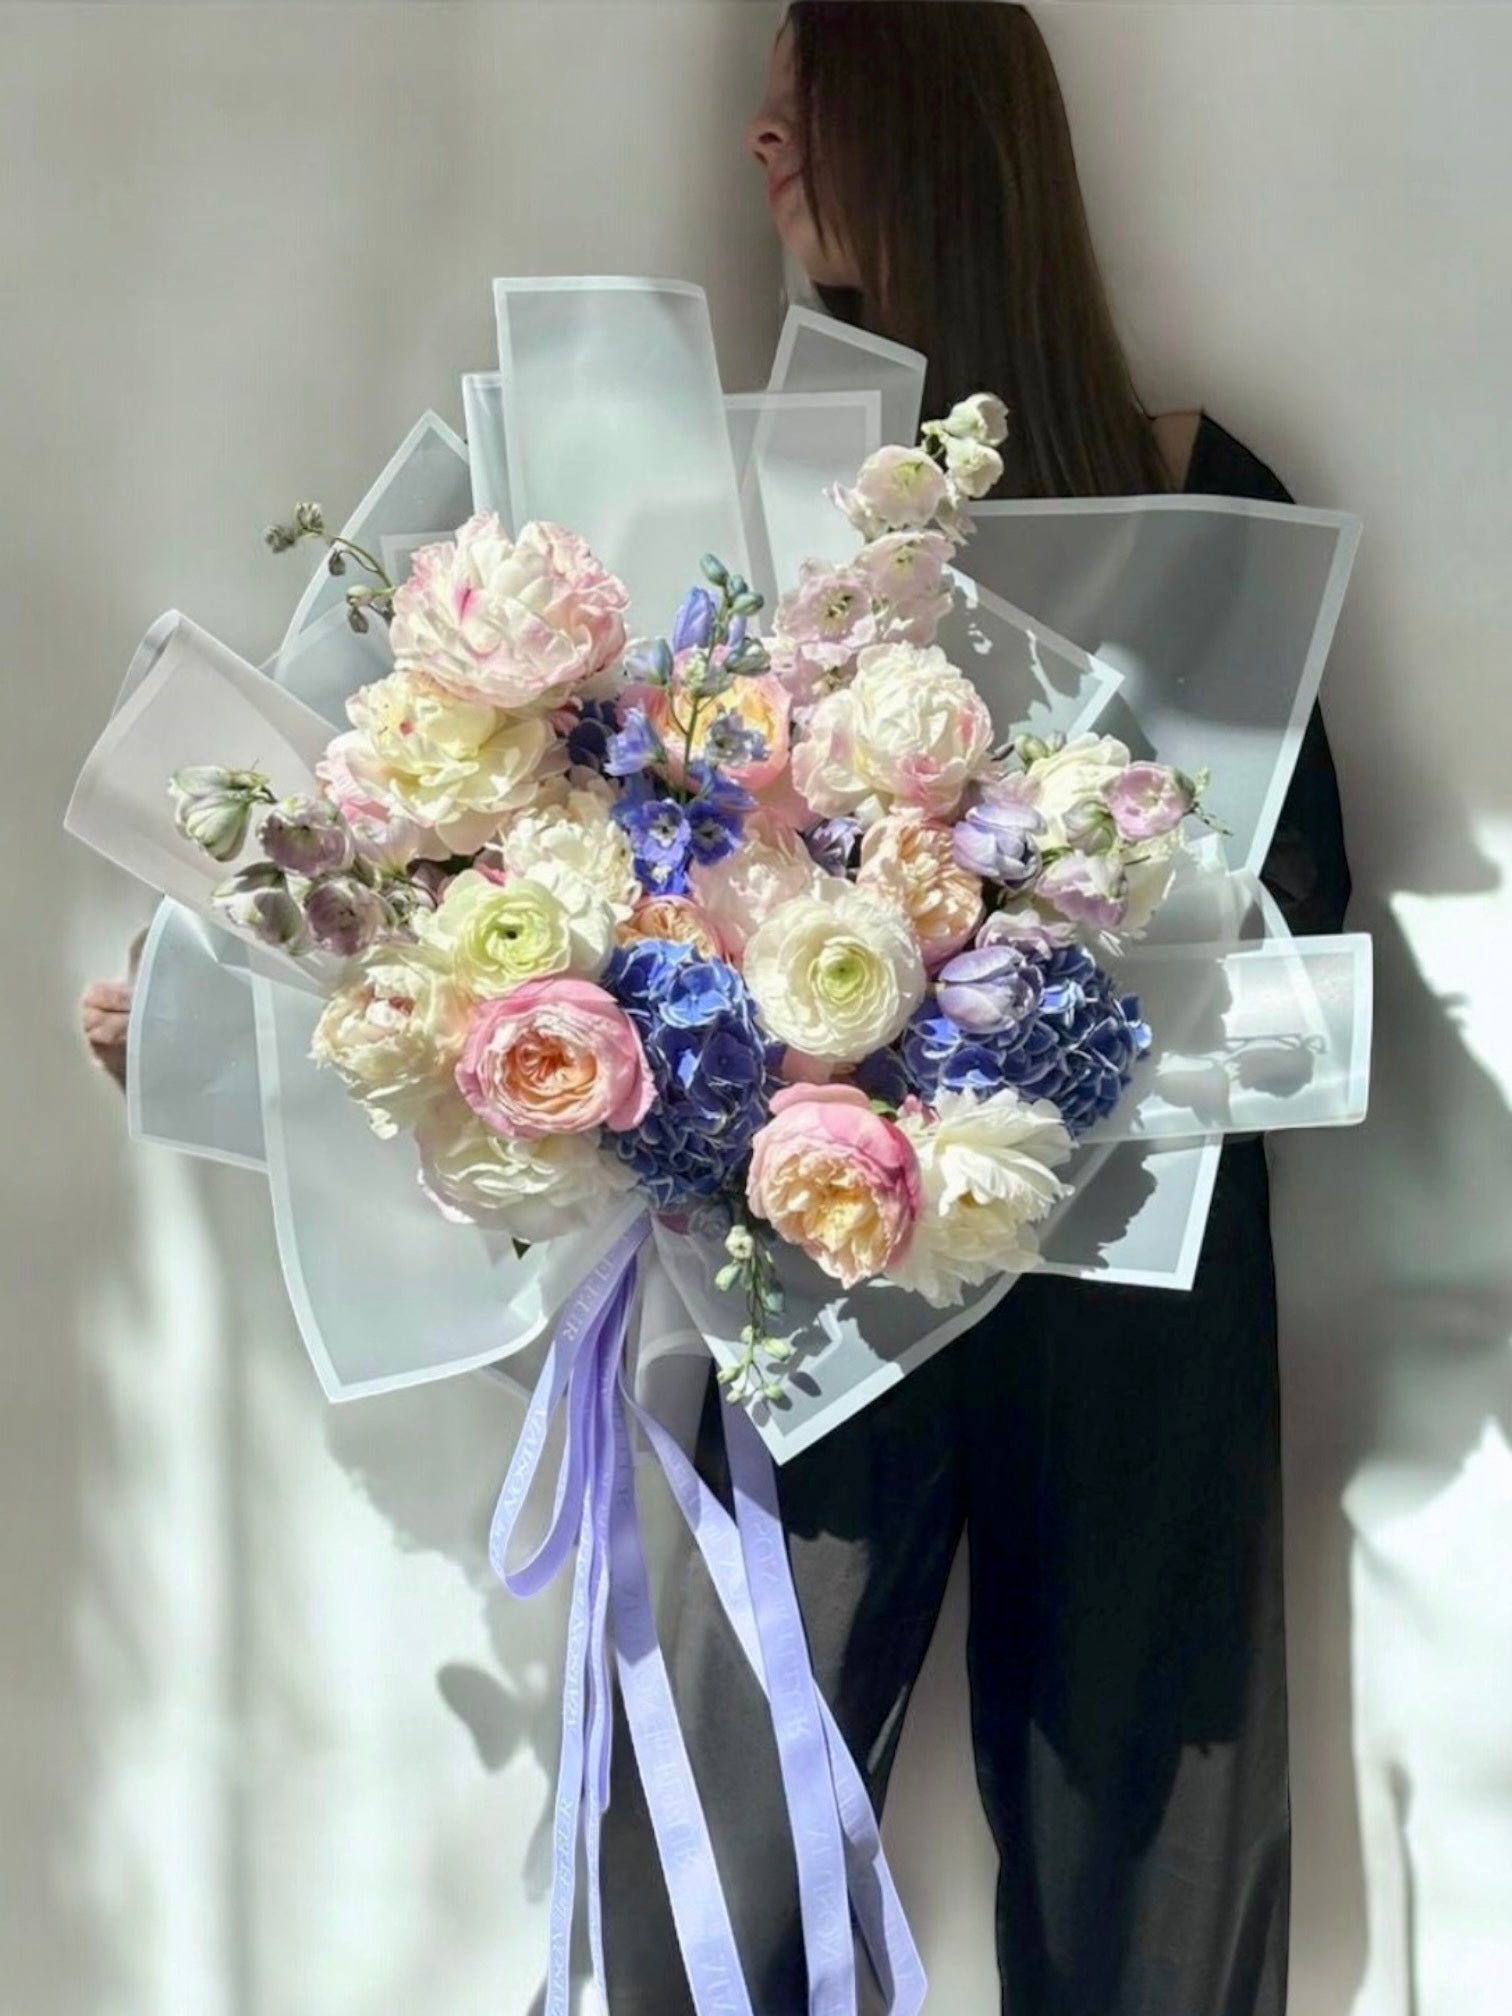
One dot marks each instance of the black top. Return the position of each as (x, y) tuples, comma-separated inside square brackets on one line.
[(1306, 870)]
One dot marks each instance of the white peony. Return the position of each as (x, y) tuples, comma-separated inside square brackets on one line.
[(770, 867), (532, 1190), (394, 1031), (985, 1166), (824, 763), (454, 766), (568, 823), (919, 731), (835, 974)]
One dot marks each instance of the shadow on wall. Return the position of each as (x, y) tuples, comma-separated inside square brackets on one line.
[(1397, 1375)]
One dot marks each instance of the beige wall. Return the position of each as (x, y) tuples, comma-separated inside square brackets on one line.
[(270, 1746)]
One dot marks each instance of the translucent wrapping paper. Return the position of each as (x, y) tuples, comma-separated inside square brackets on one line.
[(1194, 628)]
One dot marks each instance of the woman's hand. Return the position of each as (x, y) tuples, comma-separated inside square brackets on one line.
[(105, 1016)]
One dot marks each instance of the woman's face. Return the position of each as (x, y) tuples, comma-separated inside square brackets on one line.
[(773, 138)]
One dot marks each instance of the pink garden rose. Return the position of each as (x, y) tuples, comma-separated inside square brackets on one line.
[(514, 623), (677, 919), (761, 704), (909, 861), (555, 1056), (836, 1179)]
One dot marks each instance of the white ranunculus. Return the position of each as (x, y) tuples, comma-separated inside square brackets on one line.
[(499, 934), (532, 1190), (985, 1166), (454, 766), (835, 974), (568, 823), (768, 868), (919, 731), (394, 1031), (1078, 774)]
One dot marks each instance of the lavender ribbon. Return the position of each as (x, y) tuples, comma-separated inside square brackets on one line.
[(838, 1850)]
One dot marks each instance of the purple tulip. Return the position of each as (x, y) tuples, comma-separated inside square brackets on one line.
[(993, 987), (832, 843), (996, 841), (345, 915)]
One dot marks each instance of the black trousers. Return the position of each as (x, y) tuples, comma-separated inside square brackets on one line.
[(1113, 1455)]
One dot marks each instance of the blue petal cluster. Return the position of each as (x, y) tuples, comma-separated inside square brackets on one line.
[(713, 1067), (1078, 1050)]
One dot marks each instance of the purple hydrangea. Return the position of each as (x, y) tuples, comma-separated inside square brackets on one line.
[(1078, 1049), (714, 1071)]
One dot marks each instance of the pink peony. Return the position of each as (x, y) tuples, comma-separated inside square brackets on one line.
[(770, 866), (513, 623), (836, 1179), (554, 1056)]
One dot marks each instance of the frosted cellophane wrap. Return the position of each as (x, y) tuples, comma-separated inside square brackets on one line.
[(1142, 617)]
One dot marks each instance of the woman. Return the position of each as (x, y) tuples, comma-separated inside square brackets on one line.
[(1111, 1452)]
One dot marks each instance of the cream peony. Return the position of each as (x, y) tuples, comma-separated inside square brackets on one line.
[(918, 731), (450, 765), (394, 1031), (985, 1167), (770, 867), (824, 762), (498, 933), (532, 1190), (568, 823), (836, 974), (515, 623), (909, 861)]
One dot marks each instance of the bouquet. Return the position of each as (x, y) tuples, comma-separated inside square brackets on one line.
[(772, 985), (773, 931)]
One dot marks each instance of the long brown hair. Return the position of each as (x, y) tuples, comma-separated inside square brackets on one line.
[(936, 148)]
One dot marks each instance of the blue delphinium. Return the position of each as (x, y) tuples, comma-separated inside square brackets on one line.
[(716, 815), (659, 834), (633, 746), (713, 1069), (1078, 1049)]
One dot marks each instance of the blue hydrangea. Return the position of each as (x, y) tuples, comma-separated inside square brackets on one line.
[(713, 1069), (1078, 1050)]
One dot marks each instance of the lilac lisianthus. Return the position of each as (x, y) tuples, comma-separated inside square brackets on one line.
[(306, 836), (1149, 799), (257, 900), (989, 988), (711, 1065), (345, 915), (996, 840), (1087, 888), (833, 843)]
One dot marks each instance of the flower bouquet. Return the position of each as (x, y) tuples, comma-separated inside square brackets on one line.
[(771, 985)]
